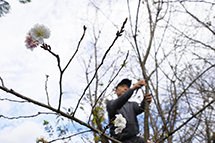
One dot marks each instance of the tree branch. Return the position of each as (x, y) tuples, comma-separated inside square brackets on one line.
[(63, 138), (82, 37), (27, 116), (118, 34), (108, 86), (11, 91), (47, 95), (2, 82), (171, 133), (193, 16), (48, 48), (2, 99), (189, 87)]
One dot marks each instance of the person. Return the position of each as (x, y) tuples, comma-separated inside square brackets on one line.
[(129, 110)]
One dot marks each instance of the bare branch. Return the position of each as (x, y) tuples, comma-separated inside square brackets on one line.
[(171, 133), (63, 138), (82, 37), (61, 75), (189, 87), (11, 91), (2, 99), (2, 82), (195, 40), (108, 85), (47, 95), (205, 25), (48, 48), (118, 34), (27, 116)]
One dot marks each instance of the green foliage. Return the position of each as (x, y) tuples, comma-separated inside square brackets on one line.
[(98, 117), (101, 84), (124, 64), (24, 1), (82, 108), (4, 7), (106, 100), (94, 120), (69, 111), (45, 122), (48, 128), (96, 139), (61, 131), (41, 140)]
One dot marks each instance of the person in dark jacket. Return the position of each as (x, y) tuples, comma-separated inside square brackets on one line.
[(129, 110)]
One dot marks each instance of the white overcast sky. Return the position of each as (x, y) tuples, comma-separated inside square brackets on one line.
[(24, 70)]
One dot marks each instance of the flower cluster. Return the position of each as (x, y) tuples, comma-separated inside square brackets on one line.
[(36, 35), (41, 140), (119, 123)]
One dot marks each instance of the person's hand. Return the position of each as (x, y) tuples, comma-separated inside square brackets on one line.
[(148, 97), (138, 85)]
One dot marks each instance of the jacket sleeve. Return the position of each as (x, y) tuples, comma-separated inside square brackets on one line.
[(114, 105)]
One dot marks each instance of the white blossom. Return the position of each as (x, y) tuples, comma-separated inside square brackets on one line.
[(36, 35), (39, 32), (119, 123)]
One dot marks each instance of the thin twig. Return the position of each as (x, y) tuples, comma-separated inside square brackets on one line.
[(48, 48), (96, 101), (2, 99), (11, 91), (47, 76), (190, 86), (82, 37), (171, 133), (118, 34), (63, 138), (193, 16), (2, 82), (61, 75), (123, 65), (27, 116)]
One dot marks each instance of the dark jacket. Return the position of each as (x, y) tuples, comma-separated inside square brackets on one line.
[(129, 111)]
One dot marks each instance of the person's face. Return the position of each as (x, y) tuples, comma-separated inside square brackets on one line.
[(121, 89)]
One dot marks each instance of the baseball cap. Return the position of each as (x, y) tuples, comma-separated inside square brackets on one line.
[(124, 81)]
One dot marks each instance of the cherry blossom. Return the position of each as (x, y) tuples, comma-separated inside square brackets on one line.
[(36, 35), (30, 43), (40, 32), (119, 123)]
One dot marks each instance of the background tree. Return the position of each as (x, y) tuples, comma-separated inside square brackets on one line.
[(154, 41), (170, 46)]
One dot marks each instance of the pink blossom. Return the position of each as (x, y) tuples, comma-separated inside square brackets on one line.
[(30, 44), (36, 35)]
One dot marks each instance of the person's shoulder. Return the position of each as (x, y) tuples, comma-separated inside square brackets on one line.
[(109, 102)]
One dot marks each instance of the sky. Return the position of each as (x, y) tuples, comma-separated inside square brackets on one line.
[(25, 71)]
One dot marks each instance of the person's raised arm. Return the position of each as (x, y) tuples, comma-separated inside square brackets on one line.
[(114, 105), (138, 85)]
